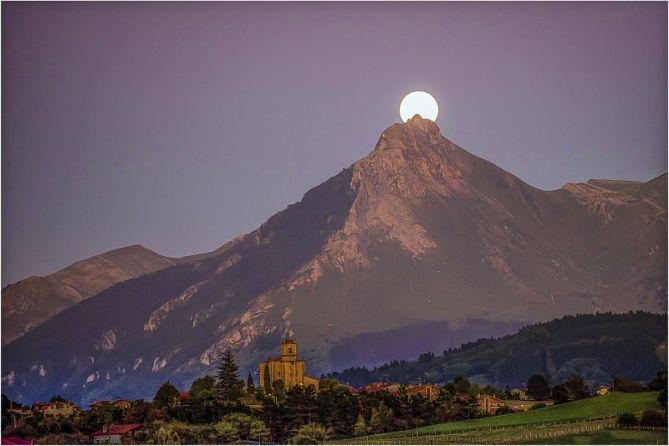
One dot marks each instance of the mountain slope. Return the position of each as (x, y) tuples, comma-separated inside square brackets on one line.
[(30, 302), (597, 347), (419, 231)]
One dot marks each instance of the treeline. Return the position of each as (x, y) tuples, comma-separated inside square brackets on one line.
[(227, 409), (597, 347)]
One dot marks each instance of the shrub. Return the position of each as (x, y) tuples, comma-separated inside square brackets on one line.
[(627, 419), (503, 410), (653, 418), (226, 432), (627, 385), (310, 434), (538, 406), (560, 394), (662, 398)]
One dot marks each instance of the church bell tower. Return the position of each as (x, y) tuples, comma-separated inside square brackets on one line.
[(288, 350)]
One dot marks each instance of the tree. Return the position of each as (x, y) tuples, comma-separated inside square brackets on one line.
[(360, 428), (662, 398), (227, 380), (560, 394), (137, 412), (259, 432), (278, 390), (250, 387), (659, 382), (313, 433), (577, 387), (627, 385), (383, 419), (226, 432), (267, 381), (166, 396), (204, 389), (57, 399), (461, 384), (537, 387)]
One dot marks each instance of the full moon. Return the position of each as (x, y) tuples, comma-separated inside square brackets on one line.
[(419, 103)]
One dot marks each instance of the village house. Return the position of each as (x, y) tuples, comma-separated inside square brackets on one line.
[(115, 434), (352, 390), (184, 397), (518, 393), (54, 409), (462, 396), (285, 368), (426, 390), (489, 403), (603, 390), (119, 403), (379, 386)]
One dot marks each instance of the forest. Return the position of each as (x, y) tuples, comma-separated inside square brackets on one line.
[(597, 347)]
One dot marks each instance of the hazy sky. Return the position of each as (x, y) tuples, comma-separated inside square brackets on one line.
[(178, 126)]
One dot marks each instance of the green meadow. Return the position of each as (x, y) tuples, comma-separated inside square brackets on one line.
[(596, 414)]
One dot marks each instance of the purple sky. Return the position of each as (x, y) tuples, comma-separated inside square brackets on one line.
[(179, 126)]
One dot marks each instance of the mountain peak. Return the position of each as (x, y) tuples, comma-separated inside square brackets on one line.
[(410, 135), (425, 125)]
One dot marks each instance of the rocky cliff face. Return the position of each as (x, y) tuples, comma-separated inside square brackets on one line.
[(418, 232), (28, 303)]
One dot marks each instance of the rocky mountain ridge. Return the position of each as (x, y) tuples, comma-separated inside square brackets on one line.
[(28, 303)]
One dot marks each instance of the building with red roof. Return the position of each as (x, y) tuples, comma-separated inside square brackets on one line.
[(120, 403), (379, 386), (54, 409), (352, 390), (489, 403), (426, 390), (115, 434)]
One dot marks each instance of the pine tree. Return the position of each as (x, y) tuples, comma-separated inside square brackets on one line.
[(227, 380), (250, 387)]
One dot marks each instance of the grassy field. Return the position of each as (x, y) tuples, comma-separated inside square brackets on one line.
[(553, 423), (595, 407), (613, 436)]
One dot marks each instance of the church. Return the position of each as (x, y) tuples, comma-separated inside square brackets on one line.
[(286, 368)]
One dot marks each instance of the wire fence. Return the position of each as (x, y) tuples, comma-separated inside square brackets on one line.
[(507, 434)]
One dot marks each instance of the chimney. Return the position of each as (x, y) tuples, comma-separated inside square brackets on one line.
[(105, 428)]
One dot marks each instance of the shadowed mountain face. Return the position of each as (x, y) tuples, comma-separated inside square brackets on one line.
[(418, 232), (30, 302)]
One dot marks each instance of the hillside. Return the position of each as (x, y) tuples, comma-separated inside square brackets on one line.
[(598, 347), (539, 425), (28, 303), (420, 239)]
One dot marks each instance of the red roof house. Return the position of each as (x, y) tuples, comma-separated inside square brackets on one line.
[(427, 390), (115, 433), (489, 403), (378, 386)]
